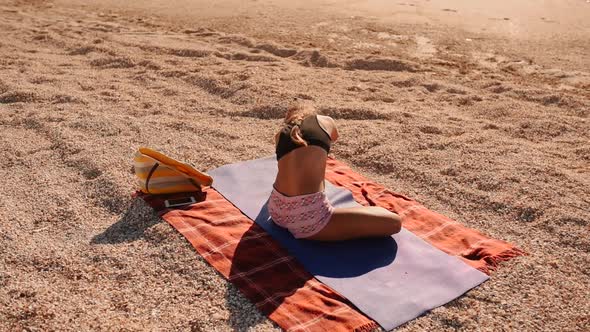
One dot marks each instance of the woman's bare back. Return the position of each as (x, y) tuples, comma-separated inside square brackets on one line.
[(302, 171)]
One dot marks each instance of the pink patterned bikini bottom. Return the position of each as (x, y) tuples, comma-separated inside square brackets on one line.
[(303, 215)]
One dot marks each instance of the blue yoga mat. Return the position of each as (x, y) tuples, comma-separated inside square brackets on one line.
[(392, 280)]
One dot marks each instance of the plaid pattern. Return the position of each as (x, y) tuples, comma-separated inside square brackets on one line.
[(278, 285), (474, 248), (263, 271)]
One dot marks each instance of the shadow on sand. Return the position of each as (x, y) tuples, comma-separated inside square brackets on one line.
[(138, 217), (268, 285), (141, 214), (265, 285)]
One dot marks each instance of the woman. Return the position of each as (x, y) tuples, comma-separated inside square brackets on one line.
[(298, 201)]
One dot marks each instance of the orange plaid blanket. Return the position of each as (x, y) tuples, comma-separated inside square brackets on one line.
[(278, 285), (474, 248)]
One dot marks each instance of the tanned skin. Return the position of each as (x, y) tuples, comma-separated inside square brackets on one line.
[(302, 171)]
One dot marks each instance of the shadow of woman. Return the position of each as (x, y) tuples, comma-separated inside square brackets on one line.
[(338, 259), (265, 274), (269, 265)]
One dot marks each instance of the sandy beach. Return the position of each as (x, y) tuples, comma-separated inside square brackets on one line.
[(478, 111)]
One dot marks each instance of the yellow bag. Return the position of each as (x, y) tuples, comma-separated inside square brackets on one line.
[(160, 174)]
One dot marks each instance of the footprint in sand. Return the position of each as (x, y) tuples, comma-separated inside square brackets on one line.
[(274, 49), (82, 50), (12, 97), (490, 126), (201, 32), (114, 62), (381, 64), (432, 87), (66, 99), (240, 56), (354, 113), (431, 130)]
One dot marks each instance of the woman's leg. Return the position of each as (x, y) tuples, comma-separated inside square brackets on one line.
[(359, 222)]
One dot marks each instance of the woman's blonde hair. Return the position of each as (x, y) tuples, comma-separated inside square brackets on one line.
[(294, 116)]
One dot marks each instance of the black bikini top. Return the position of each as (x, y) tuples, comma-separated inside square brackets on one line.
[(311, 132)]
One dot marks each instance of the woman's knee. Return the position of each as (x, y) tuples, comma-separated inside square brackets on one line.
[(390, 222), (394, 223)]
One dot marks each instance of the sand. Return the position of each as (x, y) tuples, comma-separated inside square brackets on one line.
[(476, 121)]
